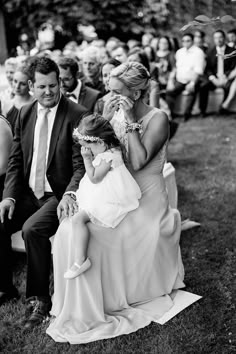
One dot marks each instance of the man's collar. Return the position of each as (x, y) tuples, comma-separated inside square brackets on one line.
[(76, 91), (52, 109)]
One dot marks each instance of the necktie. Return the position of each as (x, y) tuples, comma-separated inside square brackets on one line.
[(41, 159), (220, 63)]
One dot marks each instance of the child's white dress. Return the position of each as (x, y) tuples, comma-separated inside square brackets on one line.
[(109, 201)]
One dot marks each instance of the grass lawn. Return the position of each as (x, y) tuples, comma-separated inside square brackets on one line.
[(204, 155)]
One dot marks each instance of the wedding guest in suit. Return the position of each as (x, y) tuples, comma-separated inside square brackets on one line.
[(74, 88), (218, 73), (91, 64), (44, 170), (5, 146)]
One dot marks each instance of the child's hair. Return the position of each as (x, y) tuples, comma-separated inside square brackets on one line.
[(94, 125)]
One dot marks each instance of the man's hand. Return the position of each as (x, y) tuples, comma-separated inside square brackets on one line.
[(66, 207), (6, 206)]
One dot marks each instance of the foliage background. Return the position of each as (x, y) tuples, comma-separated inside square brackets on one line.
[(122, 18)]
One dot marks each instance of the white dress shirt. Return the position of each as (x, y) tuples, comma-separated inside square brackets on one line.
[(189, 62), (51, 119), (74, 95), (220, 60)]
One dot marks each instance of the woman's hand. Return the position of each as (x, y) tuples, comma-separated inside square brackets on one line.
[(86, 153), (127, 106), (111, 105)]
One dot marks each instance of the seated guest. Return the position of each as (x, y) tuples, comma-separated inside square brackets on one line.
[(106, 69), (91, 63), (219, 72), (190, 64), (199, 40), (74, 88), (10, 66), (165, 61), (120, 52), (111, 44), (5, 146), (44, 164), (231, 36), (21, 97)]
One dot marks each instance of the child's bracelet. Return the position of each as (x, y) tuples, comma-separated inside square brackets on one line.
[(133, 127)]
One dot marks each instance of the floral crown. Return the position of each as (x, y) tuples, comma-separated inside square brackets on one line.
[(89, 138)]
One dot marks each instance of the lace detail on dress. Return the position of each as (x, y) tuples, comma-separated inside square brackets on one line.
[(113, 155)]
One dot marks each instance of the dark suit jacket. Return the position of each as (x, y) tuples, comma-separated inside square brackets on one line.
[(211, 66), (65, 165), (88, 97)]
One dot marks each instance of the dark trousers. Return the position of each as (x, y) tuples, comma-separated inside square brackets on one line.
[(205, 86), (38, 221), (172, 94)]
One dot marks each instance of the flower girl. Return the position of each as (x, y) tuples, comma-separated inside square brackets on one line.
[(106, 193)]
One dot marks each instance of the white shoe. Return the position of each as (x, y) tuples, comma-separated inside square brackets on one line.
[(77, 269)]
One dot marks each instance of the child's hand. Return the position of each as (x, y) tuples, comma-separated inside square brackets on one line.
[(86, 152)]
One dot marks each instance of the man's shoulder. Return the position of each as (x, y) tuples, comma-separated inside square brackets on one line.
[(27, 109), (92, 91), (74, 108)]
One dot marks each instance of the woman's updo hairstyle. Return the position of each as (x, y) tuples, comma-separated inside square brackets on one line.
[(133, 75)]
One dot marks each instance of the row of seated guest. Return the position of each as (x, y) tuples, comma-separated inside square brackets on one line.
[(196, 71)]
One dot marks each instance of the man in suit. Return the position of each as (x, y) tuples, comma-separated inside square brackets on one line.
[(44, 171), (74, 88), (219, 72)]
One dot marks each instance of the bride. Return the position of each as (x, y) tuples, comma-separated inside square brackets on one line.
[(136, 265)]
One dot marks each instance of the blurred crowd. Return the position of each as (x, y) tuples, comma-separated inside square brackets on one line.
[(194, 66)]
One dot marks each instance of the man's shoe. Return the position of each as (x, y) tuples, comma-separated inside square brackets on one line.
[(173, 128), (7, 296), (37, 312)]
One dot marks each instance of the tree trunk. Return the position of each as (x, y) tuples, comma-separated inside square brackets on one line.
[(3, 42)]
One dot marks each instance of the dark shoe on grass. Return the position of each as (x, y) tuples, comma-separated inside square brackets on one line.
[(173, 128), (223, 111), (37, 312), (7, 296), (187, 116)]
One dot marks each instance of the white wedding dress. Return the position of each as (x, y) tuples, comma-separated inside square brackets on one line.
[(135, 267)]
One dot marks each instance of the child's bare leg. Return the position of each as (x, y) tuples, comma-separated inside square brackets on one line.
[(81, 235)]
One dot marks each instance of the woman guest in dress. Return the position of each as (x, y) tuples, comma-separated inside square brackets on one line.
[(136, 265), (165, 60), (5, 146), (21, 95), (106, 69)]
